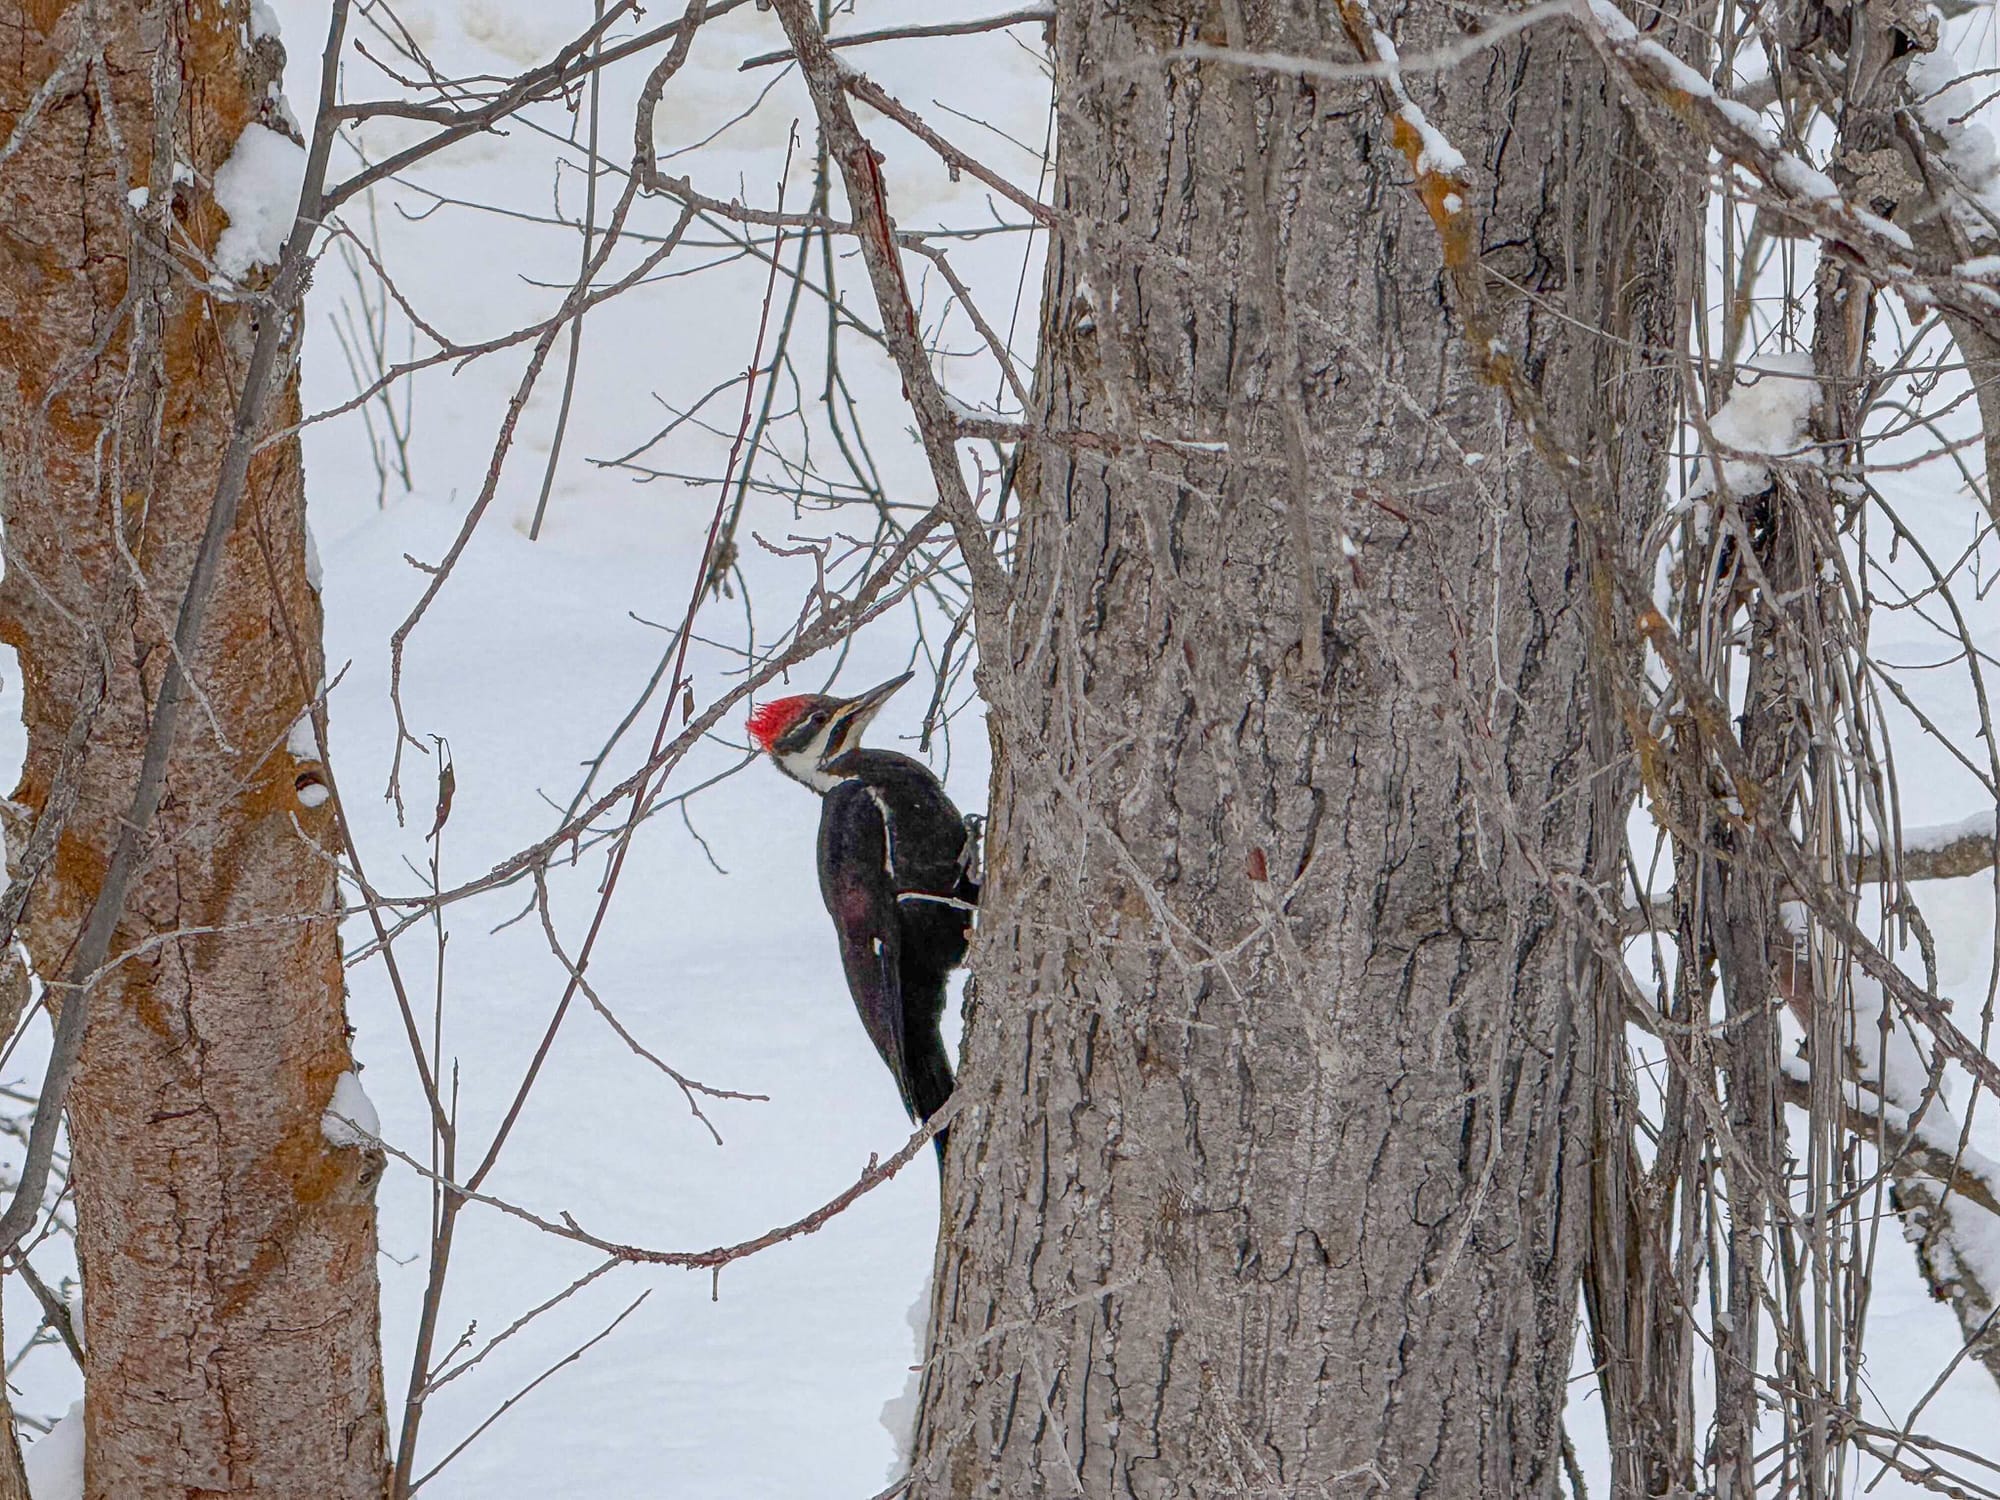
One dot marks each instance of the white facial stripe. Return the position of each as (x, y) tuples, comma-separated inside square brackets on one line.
[(803, 765)]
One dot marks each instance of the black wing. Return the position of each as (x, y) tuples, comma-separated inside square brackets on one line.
[(860, 893)]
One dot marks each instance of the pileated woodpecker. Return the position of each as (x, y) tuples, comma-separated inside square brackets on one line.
[(899, 871)]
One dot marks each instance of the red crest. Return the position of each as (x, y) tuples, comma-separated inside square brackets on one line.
[(774, 718)]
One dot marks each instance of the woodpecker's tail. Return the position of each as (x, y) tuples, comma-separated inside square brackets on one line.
[(930, 1076)]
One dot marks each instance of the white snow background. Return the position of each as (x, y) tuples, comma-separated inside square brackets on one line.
[(770, 1382), (772, 1379)]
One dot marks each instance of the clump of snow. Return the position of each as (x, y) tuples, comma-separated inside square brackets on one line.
[(313, 794), (315, 579), (899, 1413), (302, 743), (1612, 21), (1808, 182), (54, 1464), (1684, 78), (1438, 154), (258, 187), (967, 411), (350, 1118), (284, 108), (1896, 234), (139, 197), (263, 22), (1766, 414), (1747, 120), (1947, 98)]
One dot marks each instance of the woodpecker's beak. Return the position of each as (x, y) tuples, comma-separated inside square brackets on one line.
[(852, 716)]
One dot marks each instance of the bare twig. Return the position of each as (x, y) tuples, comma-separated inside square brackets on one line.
[(1025, 16)]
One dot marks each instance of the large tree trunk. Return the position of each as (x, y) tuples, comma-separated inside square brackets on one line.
[(228, 1252), (1272, 1172)]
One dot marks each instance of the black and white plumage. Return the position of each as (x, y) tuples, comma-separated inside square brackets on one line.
[(898, 870)]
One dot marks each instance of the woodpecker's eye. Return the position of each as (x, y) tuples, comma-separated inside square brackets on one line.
[(818, 718)]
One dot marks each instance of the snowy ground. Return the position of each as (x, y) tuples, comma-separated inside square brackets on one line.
[(716, 954), (770, 1381)]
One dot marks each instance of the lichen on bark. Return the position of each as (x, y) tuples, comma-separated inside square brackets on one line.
[(228, 1251)]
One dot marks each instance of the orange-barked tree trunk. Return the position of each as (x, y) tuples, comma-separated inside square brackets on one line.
[(227, 1250)]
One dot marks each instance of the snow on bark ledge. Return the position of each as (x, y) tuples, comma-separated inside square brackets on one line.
[(1934, 837), (350, 1118), (303, 742), (258, 187)]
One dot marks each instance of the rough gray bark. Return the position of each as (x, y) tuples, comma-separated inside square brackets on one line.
[(228, 1252), (1271, 1175)]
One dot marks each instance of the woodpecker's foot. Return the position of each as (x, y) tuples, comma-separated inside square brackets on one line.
[(975, 835)]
